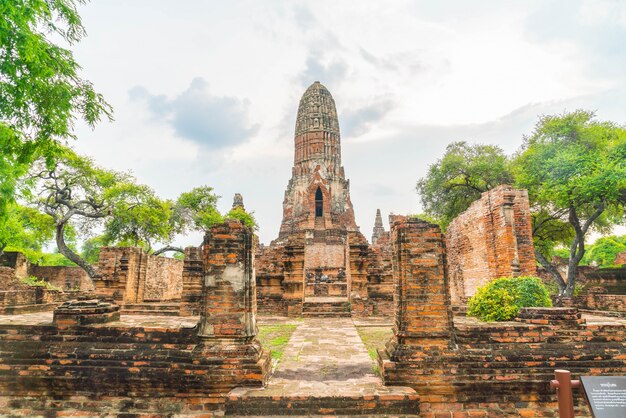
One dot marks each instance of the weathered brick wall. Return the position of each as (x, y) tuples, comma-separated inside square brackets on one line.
[(129, 275), (228, 304), (17, 261), (7, 274), (269, 280), (492, 238), (31, 299), (293, 283), (324, 256), (356, 273), (63, 277), (192, 276), (620, 260), (604, 302), (164, 279), (110, 368), (84, 363), (380, 276), (474, 368)]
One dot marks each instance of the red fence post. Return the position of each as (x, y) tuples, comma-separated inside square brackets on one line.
[(564, 384)]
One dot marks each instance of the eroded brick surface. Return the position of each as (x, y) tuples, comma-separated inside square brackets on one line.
[(491, 239), (473, 368)]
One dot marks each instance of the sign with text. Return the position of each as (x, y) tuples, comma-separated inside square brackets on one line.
[(606, 395)]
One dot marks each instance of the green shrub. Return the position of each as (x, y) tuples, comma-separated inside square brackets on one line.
[(37, 282), (501, 299)]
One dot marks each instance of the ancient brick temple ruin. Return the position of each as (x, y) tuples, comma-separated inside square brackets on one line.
[(164, 337), (318, 263)]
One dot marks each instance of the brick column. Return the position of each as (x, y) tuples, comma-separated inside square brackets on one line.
[(192, 282), (423, 330), (293, 284), (357, 262), (227, 327)]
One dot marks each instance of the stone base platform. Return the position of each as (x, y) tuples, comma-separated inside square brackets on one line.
[(393, 402), (326, 307), (152, 308)]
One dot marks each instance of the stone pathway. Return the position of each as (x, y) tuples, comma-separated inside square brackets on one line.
[(324, 357), (325, 370)]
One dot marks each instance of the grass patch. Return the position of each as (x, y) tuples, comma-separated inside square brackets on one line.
[(276, 337), (374, 338), (37, 282)]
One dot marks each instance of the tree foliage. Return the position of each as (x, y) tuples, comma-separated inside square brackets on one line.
[(501, 299), (195, 210), (75, 192), (41, 92), (459, 177), (605, 250), (141, 219), (26, 230), (574, 169), (246, 218)]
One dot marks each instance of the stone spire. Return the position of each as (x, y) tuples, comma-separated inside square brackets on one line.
[(318, 194), (317, 138), (238, 201), (379, 230)]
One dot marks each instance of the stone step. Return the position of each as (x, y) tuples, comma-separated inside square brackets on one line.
[(149, 312), (22, 309), (326, 307), (240, 403), (157, 306)]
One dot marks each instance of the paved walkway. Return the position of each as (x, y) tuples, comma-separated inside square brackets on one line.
[(325, 357)]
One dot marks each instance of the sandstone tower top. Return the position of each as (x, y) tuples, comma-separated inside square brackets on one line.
[(317, 127), (318, 194)]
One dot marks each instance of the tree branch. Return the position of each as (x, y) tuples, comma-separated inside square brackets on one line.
[(168, 248)]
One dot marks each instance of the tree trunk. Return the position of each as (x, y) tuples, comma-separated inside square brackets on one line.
[(553, 271), (71, 255)]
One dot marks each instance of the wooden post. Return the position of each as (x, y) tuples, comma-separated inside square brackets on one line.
[(563, 383)]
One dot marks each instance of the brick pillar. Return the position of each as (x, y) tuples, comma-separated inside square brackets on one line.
[(227, 327), (293, 284), (191, 296), (357, 263), (122, 274), (423, 329)]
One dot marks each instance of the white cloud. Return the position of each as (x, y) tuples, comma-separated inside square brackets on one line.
[(408, 77)]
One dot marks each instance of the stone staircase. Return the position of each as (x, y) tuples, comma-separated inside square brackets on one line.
[(151, 308), (394, 401), (326, 307)]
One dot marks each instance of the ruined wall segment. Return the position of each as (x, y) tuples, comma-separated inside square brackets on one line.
[(466, 367), (127, 275), (161, 367), (191, 294), (491, 239)]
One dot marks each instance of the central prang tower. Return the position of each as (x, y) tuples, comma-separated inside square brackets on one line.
[(318, 263), (317, 196)]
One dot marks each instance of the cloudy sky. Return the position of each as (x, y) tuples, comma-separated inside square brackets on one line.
[(206, 92)]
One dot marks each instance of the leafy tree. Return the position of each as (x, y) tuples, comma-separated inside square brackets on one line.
[(459, 177), (141, 220), (74, 191), (91, 248), (195, 210), (26, 230), (246, 218), (574, 169), (604, 251), (41, 93)]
